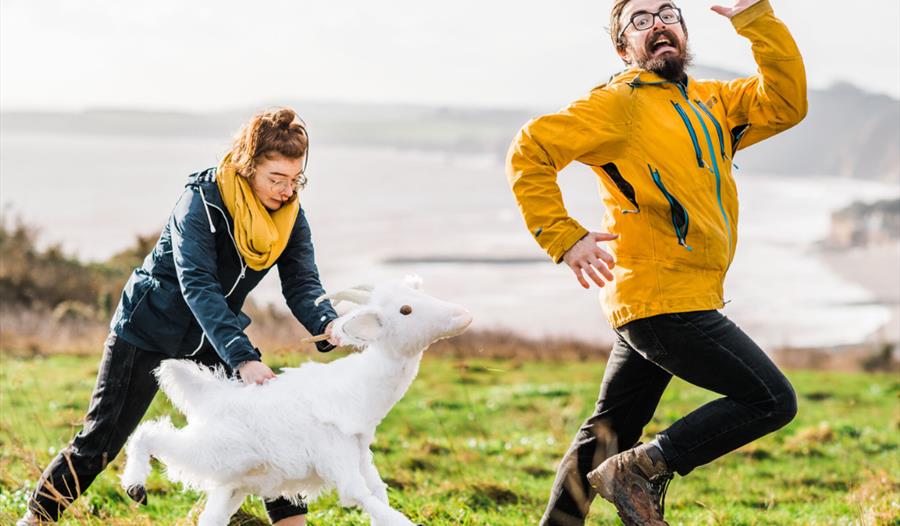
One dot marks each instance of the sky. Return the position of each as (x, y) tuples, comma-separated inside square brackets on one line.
[(202, 56)]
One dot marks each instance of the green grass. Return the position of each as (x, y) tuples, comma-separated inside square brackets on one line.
[(477, 444)]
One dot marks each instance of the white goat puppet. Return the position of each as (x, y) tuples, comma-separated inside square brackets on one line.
[(306, 431)]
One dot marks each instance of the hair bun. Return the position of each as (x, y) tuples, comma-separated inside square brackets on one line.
[(284, 118)]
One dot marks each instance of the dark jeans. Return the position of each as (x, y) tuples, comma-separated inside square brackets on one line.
[(125, 387), (704, 348)]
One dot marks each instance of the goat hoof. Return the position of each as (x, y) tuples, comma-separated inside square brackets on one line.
[(137, 493)]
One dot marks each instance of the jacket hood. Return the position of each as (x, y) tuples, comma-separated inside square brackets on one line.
[(204, 177)]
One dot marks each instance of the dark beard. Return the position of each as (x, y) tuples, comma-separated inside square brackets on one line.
[(668, 66)]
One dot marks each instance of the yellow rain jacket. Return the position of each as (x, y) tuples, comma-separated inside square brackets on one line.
[(662, 153)]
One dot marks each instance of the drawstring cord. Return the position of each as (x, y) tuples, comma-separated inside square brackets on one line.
[(212, 228)]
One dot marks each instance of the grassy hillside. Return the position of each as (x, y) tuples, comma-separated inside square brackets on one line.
[(477, 442)]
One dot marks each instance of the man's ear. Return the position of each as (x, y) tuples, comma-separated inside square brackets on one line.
[(363, 325), (623, 54)]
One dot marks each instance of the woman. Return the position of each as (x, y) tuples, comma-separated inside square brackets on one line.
[(230, 226)]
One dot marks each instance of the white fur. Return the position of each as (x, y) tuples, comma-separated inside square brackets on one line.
[(308, 430)]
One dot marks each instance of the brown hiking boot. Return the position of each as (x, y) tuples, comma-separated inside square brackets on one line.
[(635, 481)]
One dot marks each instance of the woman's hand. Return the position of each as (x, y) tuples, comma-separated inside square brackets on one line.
[(254, 372), (332, 338)]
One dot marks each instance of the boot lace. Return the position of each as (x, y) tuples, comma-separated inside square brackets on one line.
[(660, 484)]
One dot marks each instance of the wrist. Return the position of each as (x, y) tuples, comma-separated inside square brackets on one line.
[(242, 364), (324, 321), (567, 241), (750, 14)]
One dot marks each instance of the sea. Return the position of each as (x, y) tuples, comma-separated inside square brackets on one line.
[(379, 214)]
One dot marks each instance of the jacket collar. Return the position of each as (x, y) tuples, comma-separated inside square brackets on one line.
[(205, 182), (637, 77), (202, 177)]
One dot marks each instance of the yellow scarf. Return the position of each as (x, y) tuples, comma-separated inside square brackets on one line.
[(260, 235)]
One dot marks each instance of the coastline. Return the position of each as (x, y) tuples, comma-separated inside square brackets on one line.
[(877, 270)]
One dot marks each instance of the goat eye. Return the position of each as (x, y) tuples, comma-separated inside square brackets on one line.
[(406, 310)]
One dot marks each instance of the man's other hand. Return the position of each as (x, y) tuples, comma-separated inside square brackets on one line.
[(586, 258), (739, 6)]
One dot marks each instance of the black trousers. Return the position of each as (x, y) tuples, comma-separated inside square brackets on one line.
[(704, 348), (124, 390)]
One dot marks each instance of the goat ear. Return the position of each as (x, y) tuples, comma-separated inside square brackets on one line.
[(413, 281), (363, 325)]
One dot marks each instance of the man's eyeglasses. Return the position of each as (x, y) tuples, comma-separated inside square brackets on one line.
[(644, 21)]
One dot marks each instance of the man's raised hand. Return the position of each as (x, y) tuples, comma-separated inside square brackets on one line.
[(739, 6), (586, 258)]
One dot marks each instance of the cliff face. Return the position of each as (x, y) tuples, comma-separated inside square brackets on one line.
[(847, 132), (865, 225)]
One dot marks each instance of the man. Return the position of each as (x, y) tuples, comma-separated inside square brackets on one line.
[(661, 144)]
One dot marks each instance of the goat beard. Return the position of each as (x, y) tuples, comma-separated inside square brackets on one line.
[(669, 66)]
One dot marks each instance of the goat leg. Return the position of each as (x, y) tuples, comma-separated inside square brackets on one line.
[(352, 489), (372, 477), (221, 504)]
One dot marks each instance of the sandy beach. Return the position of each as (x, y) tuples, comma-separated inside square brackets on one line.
[(877, 269)]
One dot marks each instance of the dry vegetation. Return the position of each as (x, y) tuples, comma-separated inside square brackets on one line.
[(52, 303)]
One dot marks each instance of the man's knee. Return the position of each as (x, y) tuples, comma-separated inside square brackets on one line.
[(784, 405)]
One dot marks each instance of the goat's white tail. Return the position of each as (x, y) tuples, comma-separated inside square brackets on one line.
[(188, 384), (140, 449)]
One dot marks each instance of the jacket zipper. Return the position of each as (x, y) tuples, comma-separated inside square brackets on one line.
[(718, 127), (737, 138), (690, 129), (677, 209), (624, 187), (240, 259), (715, 165), (140, 300)]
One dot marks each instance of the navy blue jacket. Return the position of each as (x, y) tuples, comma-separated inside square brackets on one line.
[(189, 291)]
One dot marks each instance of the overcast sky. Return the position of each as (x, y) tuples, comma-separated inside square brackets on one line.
[(202, 55)]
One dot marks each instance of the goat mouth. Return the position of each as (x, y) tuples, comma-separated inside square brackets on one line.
[(463, 322)]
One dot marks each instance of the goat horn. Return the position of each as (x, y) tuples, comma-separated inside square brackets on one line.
[(356, 295)]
